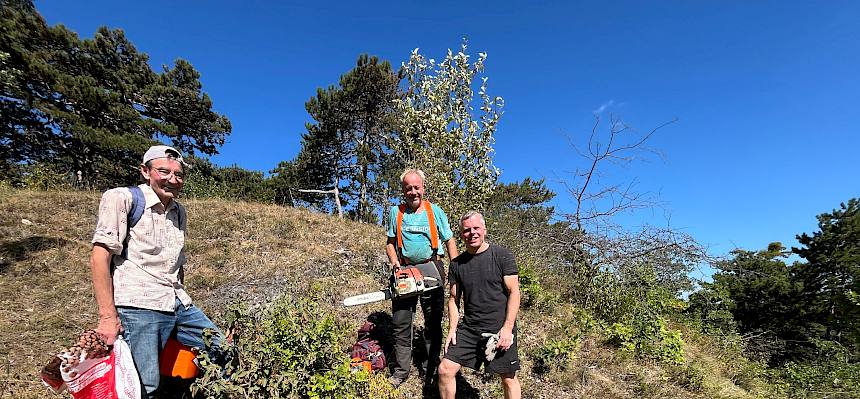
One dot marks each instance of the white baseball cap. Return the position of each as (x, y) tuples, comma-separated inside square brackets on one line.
[(163, 151)]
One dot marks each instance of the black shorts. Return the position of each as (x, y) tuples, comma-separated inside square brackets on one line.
[(469, 352)]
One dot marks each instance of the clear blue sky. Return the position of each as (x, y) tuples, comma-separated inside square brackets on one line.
[(765, 92)]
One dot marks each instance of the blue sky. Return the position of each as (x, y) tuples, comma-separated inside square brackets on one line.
[(765, 92)]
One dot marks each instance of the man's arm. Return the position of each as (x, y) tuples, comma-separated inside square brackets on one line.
[(391, 251), (451, 248), (506, 334), (109, 324), (453, 316)]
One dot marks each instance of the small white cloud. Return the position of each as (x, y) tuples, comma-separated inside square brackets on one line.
[(604, 106)]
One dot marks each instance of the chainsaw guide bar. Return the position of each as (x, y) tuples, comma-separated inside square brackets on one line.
[(367, 298)]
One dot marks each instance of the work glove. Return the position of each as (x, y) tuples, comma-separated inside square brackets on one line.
[(492, 342)]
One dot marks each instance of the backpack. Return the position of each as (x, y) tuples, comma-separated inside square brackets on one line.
[(138, 205), (367, 353)]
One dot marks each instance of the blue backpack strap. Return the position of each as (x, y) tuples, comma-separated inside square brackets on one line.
[(138, 204), (181, 214)]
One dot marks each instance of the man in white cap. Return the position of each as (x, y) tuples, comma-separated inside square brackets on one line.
[(137, 267)]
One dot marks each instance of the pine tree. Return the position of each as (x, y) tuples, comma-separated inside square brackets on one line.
[(94, 105)]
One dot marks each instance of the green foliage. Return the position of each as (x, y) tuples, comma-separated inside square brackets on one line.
[(557, 354), (93, 105), (648, 338), (206, 180), (834, 372), (642, 330), (346, 146), (801, 319), (441, 133), (517, 214), (711, 308), (831, 278), (288, 350), (530, 287), (756, 294), (45, 177)]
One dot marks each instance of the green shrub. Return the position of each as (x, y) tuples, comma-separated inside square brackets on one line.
[(557, 354), (621, 336), (288, 350), (832, 374), (530, 287), (201, 187), (45, 177), (647, 337)]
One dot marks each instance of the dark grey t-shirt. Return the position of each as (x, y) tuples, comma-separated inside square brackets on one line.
[(480, 282)]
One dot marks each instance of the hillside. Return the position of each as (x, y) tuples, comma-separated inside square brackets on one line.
[(256, 253)]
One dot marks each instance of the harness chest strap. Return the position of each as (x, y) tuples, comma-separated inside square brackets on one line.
[(431, 220)]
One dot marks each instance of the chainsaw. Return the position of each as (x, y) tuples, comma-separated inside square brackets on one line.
[(405, 282)]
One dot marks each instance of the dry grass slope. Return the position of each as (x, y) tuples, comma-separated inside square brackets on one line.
[(253, 253)]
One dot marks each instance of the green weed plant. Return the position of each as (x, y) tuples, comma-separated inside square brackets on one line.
[(288, 350)]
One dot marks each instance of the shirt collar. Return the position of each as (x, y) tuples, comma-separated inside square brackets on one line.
[(152, 198)]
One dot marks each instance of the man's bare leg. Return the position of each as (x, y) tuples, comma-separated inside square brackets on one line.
[(511, 385), (448, 379)]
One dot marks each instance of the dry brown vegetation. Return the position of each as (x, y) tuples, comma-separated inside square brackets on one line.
[(254, 253)]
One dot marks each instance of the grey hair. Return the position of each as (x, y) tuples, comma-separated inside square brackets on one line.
[(418, 172), (473, 213)]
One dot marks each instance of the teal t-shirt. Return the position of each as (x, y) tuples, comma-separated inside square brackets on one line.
[(416, 232)]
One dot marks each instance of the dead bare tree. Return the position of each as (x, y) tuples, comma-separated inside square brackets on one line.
[(334, 192), (597, 243)]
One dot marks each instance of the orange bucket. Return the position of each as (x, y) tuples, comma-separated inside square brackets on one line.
[(177, 360)]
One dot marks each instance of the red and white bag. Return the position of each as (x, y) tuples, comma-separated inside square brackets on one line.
[(108, 377)]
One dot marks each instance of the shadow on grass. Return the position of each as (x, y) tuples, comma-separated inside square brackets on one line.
[(16, 251), (464, 390)]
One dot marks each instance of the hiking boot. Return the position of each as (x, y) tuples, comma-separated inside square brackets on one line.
[(396, 382)]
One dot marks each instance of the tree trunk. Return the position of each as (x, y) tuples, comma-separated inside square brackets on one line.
[(337, 198)]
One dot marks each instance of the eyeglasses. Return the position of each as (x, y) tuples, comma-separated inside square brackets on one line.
[(167, 173)]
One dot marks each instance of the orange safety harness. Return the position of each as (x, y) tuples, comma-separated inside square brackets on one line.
[(434, 234)]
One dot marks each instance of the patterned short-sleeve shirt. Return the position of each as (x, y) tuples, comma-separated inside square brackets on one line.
[(148, 274)]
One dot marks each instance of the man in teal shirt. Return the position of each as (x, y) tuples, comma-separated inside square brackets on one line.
[(414, 249)]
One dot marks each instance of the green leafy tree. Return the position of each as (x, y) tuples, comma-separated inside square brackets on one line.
[(207, 180), (442, 133), (94, 105), (759, 290), (831, 278), (345, 147)]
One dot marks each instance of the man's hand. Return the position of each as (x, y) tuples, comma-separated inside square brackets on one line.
[(109, 327), (452, 340), (506, 338)]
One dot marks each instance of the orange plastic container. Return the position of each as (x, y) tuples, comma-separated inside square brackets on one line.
[(177, 360), (358, 364)]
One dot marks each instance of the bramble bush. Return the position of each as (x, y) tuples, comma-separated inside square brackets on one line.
[(288, 350)]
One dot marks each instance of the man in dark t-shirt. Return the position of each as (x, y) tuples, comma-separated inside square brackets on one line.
[(485, 277)]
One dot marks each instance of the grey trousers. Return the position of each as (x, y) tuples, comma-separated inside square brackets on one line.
[(403, 312)]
